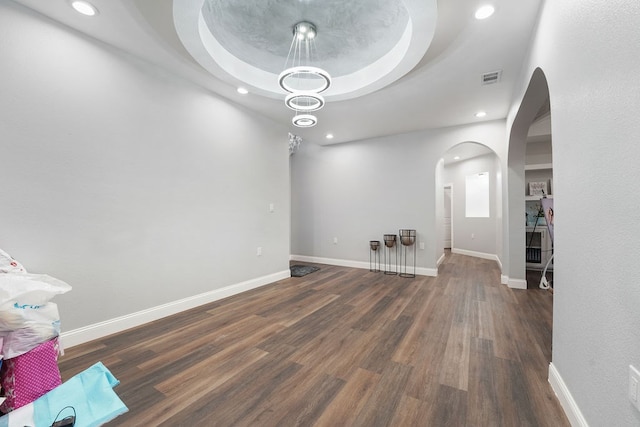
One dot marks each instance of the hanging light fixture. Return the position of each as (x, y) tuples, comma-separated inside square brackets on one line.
[(294, 143), (303, 81)]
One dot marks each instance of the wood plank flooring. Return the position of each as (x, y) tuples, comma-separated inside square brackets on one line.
[(343, 347)]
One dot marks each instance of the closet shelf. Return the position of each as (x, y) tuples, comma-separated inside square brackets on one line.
[(536, 198), (537, 167)]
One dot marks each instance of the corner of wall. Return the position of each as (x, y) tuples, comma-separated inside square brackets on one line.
[(571, 409), (420, 271)]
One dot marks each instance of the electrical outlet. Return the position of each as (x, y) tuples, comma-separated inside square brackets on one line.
[(421, 245), (272, 207), (473, 236), (335, 240), (259, 251), (634, 379)]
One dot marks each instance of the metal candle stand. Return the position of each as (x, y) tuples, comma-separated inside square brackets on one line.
[(389, 249), (374, 256), (407, 239)]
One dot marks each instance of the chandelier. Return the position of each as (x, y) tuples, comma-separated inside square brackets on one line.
[(303, 82), (294, 143)]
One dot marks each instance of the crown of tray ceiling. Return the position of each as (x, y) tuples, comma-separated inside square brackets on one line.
[(364, 44)]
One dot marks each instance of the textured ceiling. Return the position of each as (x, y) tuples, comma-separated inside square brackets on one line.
[(351, 34), (364, 45), (438, 85)]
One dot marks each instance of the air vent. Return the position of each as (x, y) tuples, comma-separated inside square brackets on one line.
[(492, 77)]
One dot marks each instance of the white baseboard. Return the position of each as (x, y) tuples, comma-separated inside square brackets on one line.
[(516, 283), (483, 255), (513, 283), (505, 280), (119, 324), (440, 260), (569, 405), (420, 271), (330, 261)]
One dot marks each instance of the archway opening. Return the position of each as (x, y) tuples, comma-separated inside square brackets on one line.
[(539, 193), (469, 201), (530, 195), (529, 175)]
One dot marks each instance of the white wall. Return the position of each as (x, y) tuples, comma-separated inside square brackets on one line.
[(588, 52), (439, 211), (135, 187), (361, 190), (483, 230), (538, 153)]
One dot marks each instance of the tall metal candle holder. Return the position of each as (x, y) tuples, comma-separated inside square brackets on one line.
[(390, 249), (374, 256), (407, 240)]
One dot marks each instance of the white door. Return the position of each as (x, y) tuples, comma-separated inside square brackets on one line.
[(447, 217)]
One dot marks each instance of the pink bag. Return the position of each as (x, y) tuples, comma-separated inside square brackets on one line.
[(26, 377)]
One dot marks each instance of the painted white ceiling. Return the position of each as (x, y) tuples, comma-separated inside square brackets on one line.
[(365, 44), (465, 151), (441, 87)]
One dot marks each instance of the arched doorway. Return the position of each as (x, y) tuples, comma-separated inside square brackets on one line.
[(532, 108), (539, 207), (471, 233)]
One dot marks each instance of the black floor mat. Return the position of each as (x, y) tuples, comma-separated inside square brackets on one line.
[(302, 270)]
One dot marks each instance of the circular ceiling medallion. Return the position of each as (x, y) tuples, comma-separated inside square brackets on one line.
[(364, 44)]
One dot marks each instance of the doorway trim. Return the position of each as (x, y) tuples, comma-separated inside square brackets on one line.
[(451, 209)]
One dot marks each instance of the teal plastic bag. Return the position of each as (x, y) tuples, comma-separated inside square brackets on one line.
[(90, 394)]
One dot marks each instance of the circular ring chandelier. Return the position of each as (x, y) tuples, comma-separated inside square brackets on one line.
[(304, 101), (304, 120), (302, 76), (303, 81)]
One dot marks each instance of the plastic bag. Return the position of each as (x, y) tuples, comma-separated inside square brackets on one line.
[(25, 327), (15, 316), (30, 289), (10, 265), (22, 341)]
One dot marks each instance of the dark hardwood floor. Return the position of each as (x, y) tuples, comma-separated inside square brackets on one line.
[(533, 278), (343, 347)]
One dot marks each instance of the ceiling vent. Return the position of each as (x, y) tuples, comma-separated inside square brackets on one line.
[(491, 78)]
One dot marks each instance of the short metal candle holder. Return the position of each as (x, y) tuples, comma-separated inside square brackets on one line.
[(390, 249), (374, 256), (408, 240)]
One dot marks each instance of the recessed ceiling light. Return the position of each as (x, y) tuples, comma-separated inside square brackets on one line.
[(242, 91), (456, 158), (84, 8), (329, 136), (480, 114), (485, 11)]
